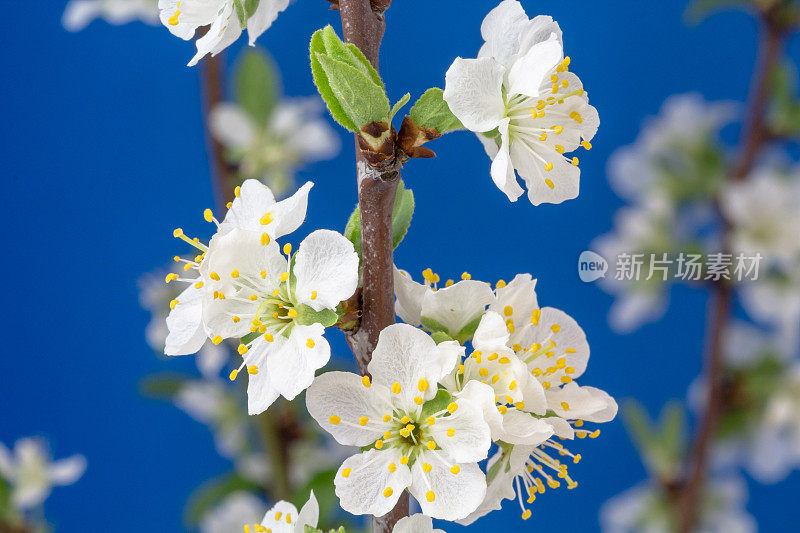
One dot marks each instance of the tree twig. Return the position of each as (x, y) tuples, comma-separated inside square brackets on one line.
[(754, 136), (363, 25)]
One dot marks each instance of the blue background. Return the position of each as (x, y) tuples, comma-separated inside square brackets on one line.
[(103, 154)]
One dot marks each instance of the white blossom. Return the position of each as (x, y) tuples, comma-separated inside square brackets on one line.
[(184, 17), (527, 109), (31, 472), (283, 517), (647, 508), (79, 13), (294, 133), (232, 513), (416, 441), (416, 523)]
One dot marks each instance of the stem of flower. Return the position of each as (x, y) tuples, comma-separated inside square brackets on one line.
[(755, 136), (363, 25)]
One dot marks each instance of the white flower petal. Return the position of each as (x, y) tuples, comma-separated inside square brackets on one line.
[(309, 514), (530, 71), (409, 295), (457, 306), (573, 402), (502, 29), (417, 523), (464, 436), (260, 393), (520, 427), (492, 333), (343, 395), (281, 518), (502, 170), (292, 368), (186, 332), (473, 92), (67, 471), (454, 495), (557, 327), (364, 489), (516, 301), (326, 268), (262, 19), (232, 126), (291, 212), (405, 355)]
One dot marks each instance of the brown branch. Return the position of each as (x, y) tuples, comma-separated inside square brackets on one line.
[(363, 25), (212, 74), (755, 136)]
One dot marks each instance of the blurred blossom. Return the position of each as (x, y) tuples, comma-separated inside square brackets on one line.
[(233, 513), (775, 300), (295, 133), (220, 407), (648, 508), (675, 153), (155, 296), (32, 473), (79, 13)]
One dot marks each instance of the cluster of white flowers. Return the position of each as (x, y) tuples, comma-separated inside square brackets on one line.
[(431, 411), (79, 13), (240, 511), (31, 474), (244, 285), (524, 104)]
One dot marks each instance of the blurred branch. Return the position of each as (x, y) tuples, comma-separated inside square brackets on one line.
[(755, 135), (363, 24)]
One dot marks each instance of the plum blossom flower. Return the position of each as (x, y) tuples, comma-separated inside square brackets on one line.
[(418, 438), (232, 514), (454, 309), (646, 507), (79, 13), (416, 523), (554, 351), (294, 133), (184, 17), (283, 303), (283, 517), (527, 109), (253, 204), (32, 473)]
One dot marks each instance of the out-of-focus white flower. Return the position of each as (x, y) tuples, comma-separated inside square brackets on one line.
[(32, 473), (79, 13), (416, 523), (232, 514), (774, 299), (526, 107), (211, 403), (664, 155), (284, 518), (764, 213), (294, 134), (646, 508), (184, 17), (454, 309), (430, 448)]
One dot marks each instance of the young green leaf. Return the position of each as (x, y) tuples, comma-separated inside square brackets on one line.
[(402, 213), (362, 101), (257, 84), (399, 105), (431, 111)]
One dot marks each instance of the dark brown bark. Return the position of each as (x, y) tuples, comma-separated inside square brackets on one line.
[(755, 135), (363, 25)]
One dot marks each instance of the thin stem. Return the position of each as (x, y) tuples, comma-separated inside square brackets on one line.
[(212, 75), (755, 136), (364, 26)]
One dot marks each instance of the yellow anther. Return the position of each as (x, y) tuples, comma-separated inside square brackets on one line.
[(503, 409), (177, 233), (208, 215), (173, 303), (449, 283), (386, 418), (535, 316), (422, 385), (404, 460), (396, 387), (335, 420), (388, 492), (512, 385), (526, 514), (466, 276), (453, 407), (566, 380), (346, 472), (508, 310), (594, 434), (292, 313), (483, 372), (278, 515), (565, 406), (576, 459), (451, 432), (477, 356), (387, 435), (287, 248), (313, 295), (237, 191), (543, 137), (427, 467), (405, 433), (252, 370), (495, 378), (310, 343), (217, 339), (460, 369), (198, 285), (284, 276), (560, 149), (265, 239), (431, 445), (214, 276), (575, 161), (455, 469), (266, 219), (268, 337), (253, 297), (558, 130), (504, 360), (545, 385), (392, 467), (550, 183), (418, 400), (233, 374), (430, 420), (586, 144), (242, 349), (430, 496), (405, 420), (520, 405), (378, 444), (235, 273), (229, 204), (366, 382), (576, 117), (363, 421)]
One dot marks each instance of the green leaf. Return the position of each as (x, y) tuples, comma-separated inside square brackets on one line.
[(241, 14), (257, 84), (250, 7), (432, 325), (362, 101), (306, 315), (399, 105), (431, 111), (468, 331), (438, 403), (210, 493), (162, 386), (402, 213), (347, 82), (440, 337)]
